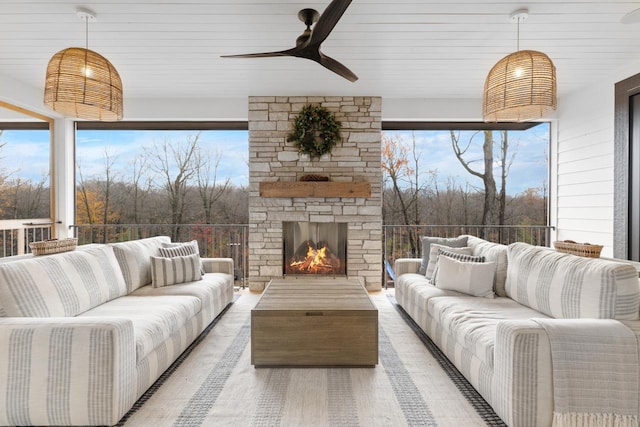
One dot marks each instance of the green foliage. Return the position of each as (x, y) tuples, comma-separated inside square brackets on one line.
[(315, 131)]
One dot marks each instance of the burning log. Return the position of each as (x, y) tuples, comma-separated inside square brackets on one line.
[(315, 259)]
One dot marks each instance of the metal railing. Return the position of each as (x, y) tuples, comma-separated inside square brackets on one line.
[(232, 241), (403, 241), (214, 240), (15, 235)]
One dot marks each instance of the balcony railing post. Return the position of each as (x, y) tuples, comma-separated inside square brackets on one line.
[(20, 241)]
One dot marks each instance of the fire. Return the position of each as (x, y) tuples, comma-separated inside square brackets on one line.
[(316, 261)]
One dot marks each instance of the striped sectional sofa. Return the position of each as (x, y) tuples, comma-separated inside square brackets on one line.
[(504, 347), (83, 334)]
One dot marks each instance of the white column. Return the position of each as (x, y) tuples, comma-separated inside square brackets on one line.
[(63, 178), (553, 179)]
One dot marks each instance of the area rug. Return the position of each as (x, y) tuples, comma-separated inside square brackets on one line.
[(214, 384)]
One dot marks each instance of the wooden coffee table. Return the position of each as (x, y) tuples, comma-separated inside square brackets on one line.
[(314, 322)]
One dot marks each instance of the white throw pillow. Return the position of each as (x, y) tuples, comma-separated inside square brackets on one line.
[(171, 271), (473, 278), (458, 257), (434, 253)]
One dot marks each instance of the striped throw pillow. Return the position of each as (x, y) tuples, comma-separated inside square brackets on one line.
[(172, 271), (170, 250)]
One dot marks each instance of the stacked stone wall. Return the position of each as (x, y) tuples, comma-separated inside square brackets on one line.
[(356, 158)]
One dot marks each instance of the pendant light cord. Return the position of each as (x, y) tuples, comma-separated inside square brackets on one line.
[(518, 39), (86, 32)]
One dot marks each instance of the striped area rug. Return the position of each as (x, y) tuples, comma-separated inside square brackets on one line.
[(214, 383)]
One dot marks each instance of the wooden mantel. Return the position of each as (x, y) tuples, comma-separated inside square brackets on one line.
[(315, 189)]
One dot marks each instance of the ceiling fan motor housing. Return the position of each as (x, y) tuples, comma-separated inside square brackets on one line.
[(308, 16)]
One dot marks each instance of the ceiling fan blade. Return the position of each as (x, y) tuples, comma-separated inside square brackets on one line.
[(261, 55), (336, 67), (328, 20)]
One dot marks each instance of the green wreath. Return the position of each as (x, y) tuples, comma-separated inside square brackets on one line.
[(315, 131)]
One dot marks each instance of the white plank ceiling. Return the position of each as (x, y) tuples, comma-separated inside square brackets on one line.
[(399, 49)]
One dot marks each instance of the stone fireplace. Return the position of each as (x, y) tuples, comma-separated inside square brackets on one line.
[(344, 214)]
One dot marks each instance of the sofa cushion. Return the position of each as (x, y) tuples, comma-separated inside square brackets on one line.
[(413, 291), (472, 277), (60, 285), (493, 252), (134, 258), (453, 242), (206, 290), (473, 321), (154, 318), (566, 286), (171, 271)]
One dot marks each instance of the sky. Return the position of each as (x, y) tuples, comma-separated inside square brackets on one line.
[(26, 153), (124, 146), (529, 148)]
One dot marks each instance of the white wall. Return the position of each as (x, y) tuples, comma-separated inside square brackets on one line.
[(583, 207)]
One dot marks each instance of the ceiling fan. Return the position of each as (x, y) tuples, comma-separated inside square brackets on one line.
[(308, 43)]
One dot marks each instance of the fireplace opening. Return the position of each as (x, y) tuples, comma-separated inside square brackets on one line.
[(314, 248)]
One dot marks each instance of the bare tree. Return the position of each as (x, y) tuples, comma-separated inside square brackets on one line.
[(83, 190), (490, 192), (208, 188), (136, 191), (506, 160), (107, 183), (176, 163), (415, 183)]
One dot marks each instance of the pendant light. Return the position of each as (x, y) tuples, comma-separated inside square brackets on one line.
[(82, 83), (521, 86)]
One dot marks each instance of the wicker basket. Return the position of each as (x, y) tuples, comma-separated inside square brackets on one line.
[(581, 249), (53, 246)]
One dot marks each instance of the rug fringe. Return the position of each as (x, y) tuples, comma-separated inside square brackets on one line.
[(573, 419)]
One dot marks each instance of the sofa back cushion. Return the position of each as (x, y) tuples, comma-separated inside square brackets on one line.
[(60, 285), (492, 252), (566, 286), (134, 258)]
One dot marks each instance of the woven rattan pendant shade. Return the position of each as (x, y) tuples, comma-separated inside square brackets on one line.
[(520, 87), (83, 84)]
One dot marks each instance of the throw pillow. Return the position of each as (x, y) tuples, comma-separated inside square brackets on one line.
[(433, 256), (170, 250), (172, 271), (453, 242), (458, 256), (472, 278)]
